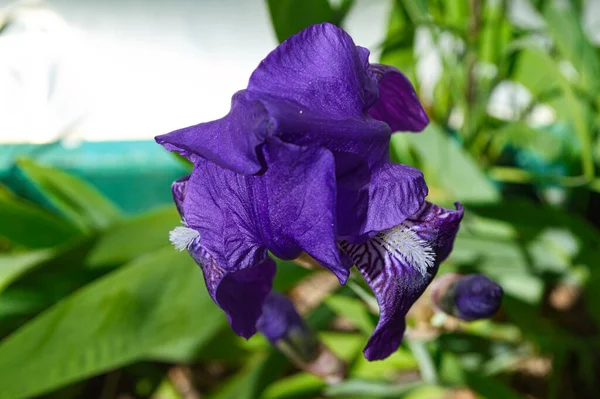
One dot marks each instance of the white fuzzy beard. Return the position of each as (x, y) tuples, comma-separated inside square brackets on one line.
[(402, 241), (181, 237)]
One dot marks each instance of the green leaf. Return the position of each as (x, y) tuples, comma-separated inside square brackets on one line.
[(448, 166), (291, 16), (128, 239), (252, 380), (371, 389), (566, 29), (352, 309), (71, 197), (288, 274), (14, 265), (453, 373), (31, 227), (5, 193), (400, 37), (556, 242), (113, 321), (294, 386), (540, 73), (343, 345), (401, 360)]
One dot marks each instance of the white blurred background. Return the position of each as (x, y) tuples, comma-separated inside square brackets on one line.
[(96, 70), (131, 69)]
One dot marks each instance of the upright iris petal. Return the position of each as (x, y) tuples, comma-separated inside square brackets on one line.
[(398, 104), (398, 264)]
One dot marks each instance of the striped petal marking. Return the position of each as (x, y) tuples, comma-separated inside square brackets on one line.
[(398, 264)]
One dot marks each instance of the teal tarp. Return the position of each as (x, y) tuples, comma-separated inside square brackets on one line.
[(136, 175)]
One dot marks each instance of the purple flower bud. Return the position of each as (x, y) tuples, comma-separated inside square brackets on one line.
[(469, 298), (281, 324)]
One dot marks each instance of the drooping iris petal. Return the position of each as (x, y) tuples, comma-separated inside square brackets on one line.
[(240, 293), (231, 220), (288, 209), (398, 264), (397, 104), (300, 195), (231, 141), (379, 199)]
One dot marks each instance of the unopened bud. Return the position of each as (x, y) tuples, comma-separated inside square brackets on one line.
[(469, 297), (285, 329)]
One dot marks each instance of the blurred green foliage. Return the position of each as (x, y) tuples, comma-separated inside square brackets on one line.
[(96, 304)]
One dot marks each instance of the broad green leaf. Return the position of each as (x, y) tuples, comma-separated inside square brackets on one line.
[(503, 260), (295, 386), (449, 168), (372, 389), (71, 197), (453, 373), (345, 346), (253, 379), (29, 226), (224, 347), (5, 193), (291, 16), (14, 265), (401, 360), (113, 321), (130, 238)]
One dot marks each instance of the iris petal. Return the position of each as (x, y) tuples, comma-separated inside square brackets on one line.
[(299, 190), (398, 264), (288, 209), (398, 104), (316, 86), (178, 191), (231, 142), (318, 69), (379, 199), (240, 293)]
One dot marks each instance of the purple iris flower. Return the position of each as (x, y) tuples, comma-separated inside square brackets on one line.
[(301, 164)]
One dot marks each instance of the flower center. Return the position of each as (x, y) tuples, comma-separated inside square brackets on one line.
[(402, 241)]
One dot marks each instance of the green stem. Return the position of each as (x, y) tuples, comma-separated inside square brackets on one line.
[(424, 360)]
